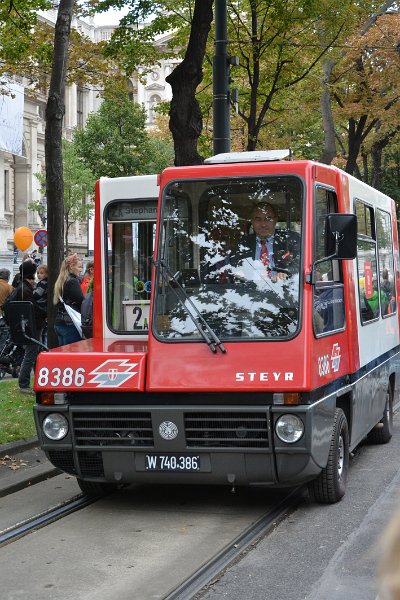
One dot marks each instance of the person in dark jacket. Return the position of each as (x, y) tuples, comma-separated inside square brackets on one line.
[(40, 294), (17, 277), (25, 293), (274, 248), (5, 287), (69, 289)]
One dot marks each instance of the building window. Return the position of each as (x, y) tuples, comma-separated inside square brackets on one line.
[(131, 91), (154, 100), (6, 190), (79, 107)]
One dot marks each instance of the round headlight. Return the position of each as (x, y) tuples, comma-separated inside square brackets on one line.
[(55, 426), (289, 428)]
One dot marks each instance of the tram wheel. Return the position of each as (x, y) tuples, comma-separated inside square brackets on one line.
[(96, 488), (330, 486), (382, 432)]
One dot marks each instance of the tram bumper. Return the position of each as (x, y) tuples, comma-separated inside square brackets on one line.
[(188, 445)]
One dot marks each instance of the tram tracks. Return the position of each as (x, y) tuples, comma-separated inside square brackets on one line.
[(236, 549), (19, 530)]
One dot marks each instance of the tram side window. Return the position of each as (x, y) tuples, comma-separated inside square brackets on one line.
[(367, 263), (386, 262), (130, 245), (328, 302)]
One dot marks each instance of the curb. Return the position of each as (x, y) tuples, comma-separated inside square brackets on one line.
[(19, 446), (12, 484)]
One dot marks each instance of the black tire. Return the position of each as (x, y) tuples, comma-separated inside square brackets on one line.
[(382, 432), (96, 488), (2, 373), (330, 486)]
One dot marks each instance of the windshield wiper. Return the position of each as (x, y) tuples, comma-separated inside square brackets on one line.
[(209, 336)]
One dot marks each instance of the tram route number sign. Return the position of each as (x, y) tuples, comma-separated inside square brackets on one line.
[(40, 237)]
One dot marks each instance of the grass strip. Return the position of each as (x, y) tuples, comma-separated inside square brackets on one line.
[(16, 414)]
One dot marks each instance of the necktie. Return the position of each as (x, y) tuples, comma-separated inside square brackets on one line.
[(264, 258)]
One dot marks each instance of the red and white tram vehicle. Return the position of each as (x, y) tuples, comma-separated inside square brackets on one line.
[(229, 368)]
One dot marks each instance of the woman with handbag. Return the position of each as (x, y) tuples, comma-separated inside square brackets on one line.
[(68, 295)]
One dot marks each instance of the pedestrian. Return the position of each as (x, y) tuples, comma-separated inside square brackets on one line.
[(17, 277), (87, 312), (68, 288), (40, 291), (40, 294), (5, 287), (24, 292), (35, 258), (87, 276)]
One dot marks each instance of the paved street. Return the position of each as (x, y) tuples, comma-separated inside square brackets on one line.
[(317, 553)]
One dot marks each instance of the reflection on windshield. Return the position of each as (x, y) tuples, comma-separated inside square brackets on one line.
[(234, 248)]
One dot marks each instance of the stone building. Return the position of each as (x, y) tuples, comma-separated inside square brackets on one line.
[(18, 184)]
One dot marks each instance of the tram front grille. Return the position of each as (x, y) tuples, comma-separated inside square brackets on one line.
[(63, 460), (113, 428), (91, 464), (226, 429)]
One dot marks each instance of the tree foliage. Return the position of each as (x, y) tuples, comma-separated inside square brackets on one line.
[(114, 142), (78, 189)]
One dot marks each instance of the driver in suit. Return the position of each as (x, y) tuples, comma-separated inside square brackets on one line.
[(276, 249)]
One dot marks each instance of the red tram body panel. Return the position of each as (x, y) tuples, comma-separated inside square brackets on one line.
[(246, 330)]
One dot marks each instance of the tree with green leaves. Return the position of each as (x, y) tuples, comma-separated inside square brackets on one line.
[(190, 23), (115, 143), (79, 184)]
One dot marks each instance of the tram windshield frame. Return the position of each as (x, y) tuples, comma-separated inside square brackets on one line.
[(205, 235)]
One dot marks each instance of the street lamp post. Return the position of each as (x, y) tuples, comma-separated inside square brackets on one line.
[(221, 125)]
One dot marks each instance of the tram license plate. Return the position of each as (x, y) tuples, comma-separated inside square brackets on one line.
[(172, 462)]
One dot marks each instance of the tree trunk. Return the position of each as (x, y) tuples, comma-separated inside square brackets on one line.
[(329, 152), (55, 110), (355, 138), (186, 121)]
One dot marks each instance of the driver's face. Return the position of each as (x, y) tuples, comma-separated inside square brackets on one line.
[(264, 222)]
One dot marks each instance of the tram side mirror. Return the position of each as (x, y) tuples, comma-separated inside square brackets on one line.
[(341, 236)]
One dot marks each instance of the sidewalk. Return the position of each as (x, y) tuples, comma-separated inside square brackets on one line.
[(23, 463)]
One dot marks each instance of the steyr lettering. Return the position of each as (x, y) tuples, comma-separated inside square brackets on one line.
[(274, 376)]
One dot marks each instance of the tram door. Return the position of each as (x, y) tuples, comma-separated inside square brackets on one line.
[(131, 236)]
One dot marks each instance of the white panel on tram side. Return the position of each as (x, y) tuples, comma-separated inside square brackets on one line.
[(375, 338), (122, 188), (362, 191)]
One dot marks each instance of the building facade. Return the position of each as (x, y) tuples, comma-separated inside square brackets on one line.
[(19, 185)]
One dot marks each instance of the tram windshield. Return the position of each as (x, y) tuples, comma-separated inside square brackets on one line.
[(130, 244), (229, 254)]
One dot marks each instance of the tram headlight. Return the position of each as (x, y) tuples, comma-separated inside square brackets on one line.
[(289, 428), (55, 426)]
